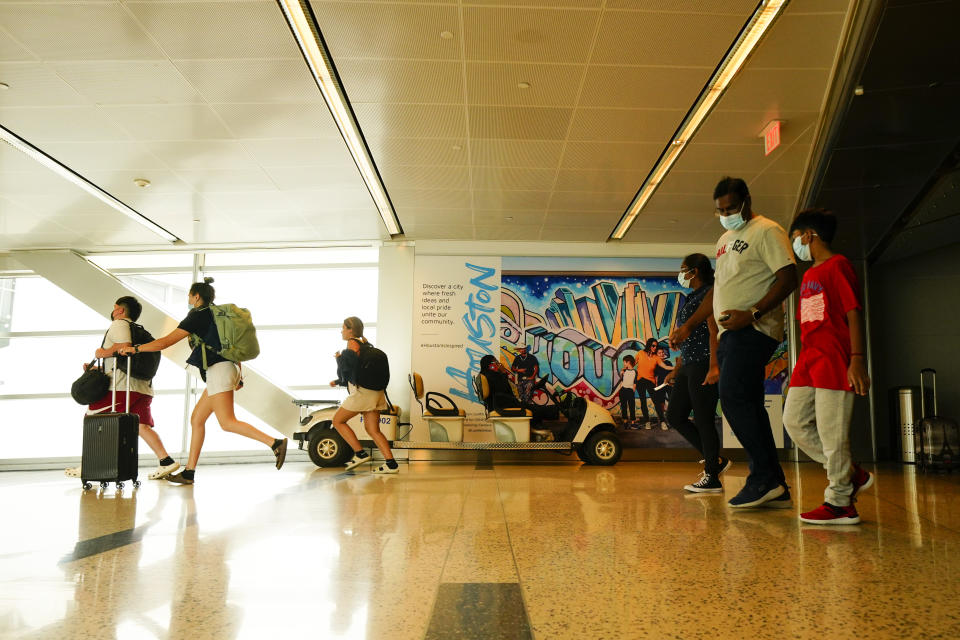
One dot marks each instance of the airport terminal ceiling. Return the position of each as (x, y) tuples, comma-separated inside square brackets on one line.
[(486, 120)]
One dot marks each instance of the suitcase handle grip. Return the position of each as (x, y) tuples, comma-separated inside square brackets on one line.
[(923, 395)]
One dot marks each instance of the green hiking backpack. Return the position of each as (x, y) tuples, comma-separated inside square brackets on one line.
[(238, 336)]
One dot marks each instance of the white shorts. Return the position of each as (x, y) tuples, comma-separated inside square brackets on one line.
[(361, 400), (223, 376)]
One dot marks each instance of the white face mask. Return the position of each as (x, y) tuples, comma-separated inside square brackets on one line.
[(733, 222), (802, 250), (682, 279)]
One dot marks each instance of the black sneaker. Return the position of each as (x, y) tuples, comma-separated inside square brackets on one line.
[(280, 451), (753, 495), (706, 484), (725, 464)]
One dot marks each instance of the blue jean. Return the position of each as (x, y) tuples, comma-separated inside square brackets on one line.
[(743, 356)]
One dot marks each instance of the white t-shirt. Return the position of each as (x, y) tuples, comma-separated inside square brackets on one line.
[(119, 332), (629, 378), (746, 262)]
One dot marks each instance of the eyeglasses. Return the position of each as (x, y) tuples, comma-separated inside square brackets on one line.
[(729, 211)]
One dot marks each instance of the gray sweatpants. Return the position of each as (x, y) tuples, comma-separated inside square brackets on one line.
[(818, 420)]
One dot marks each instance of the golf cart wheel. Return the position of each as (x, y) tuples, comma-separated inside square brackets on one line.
[(603, 448), (328, 449)]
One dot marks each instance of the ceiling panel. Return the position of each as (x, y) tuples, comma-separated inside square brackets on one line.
[(203, 30), (779, 89), (499, 199), (647, 87), (93, 31), (281, 120), (730, 7), (420, 81), (598, 180), (429, 151), (61, 124), (513, 179), (816, 35), (10, 49), (654, 126), (276, 80), (610, 156), (389, 30), (459, 217), (299, 151), (528, 34), (650, 38), (523, 84), (201, 154), (425, 177), (343, 175), (128, 82), (491, 217), (533, 123), (516, 153), (411, 120), (512, 231), (33, 84), (603, 220), (168, 121), (590, 201), (441, 231)]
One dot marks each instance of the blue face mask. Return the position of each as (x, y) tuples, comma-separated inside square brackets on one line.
[(802, 250)]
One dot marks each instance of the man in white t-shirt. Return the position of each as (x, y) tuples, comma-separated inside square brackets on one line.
[(755, 273), (126, 310)]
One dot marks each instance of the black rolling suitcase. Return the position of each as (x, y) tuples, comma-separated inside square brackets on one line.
[(110, 444), (937, 440)]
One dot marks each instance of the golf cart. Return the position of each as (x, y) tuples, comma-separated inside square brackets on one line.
[(569, 424)]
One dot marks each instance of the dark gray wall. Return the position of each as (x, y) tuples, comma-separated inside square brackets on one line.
[(915, 323)]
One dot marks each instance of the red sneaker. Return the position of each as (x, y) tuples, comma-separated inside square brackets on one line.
[(861, 479), (829, 514)]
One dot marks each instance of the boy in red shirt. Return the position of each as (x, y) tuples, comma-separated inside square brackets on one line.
[(831, 368)]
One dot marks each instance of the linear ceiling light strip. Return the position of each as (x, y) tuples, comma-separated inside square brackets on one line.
[(66, 172), (303, 24), (761, 20)]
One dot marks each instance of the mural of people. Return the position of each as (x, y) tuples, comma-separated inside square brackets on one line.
[(648, 361), (526, 368)]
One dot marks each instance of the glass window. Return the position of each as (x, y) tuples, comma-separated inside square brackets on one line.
[(39, 305), (320, 296), (168, 291)]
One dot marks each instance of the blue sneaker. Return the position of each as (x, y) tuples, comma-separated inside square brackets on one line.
[(783, 501), (755, 495)]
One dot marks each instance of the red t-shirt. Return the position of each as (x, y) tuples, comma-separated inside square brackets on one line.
[(828, 292)]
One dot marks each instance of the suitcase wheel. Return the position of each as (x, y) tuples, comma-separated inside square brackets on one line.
[(119, 486), (136, 484), (86, 485), (103, 486)]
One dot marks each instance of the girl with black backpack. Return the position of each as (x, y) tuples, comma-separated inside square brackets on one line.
[(368, 402)]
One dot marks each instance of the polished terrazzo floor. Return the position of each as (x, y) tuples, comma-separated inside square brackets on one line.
[(546, 551)]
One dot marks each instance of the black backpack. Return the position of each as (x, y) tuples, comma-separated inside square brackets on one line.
[(373, 369), (144, 365)]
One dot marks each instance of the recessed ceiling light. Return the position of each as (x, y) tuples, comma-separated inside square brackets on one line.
[(508, 218), (858, 90), (143, 183), (456, 147), (4, 86), (446, 35), (523, 85)]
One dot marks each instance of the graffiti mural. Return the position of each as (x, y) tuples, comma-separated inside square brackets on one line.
[(580, 326)]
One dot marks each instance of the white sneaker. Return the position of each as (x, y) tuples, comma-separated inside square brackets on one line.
[(72, 472), (163, 471), (385, 469)]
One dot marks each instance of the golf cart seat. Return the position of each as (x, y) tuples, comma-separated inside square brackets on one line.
[(510, 424), (445, 423)]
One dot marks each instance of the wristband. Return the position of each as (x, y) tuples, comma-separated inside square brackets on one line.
[(136, 348)]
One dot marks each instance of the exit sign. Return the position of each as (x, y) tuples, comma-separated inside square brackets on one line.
[(771, 136)]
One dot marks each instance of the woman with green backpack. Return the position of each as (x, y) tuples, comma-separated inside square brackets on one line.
[(221, 375)]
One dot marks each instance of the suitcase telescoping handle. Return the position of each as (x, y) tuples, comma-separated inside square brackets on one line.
[(113, 399), (923, 407)]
